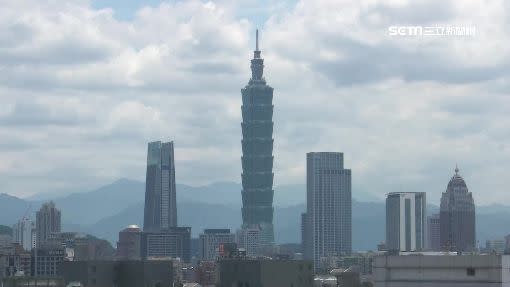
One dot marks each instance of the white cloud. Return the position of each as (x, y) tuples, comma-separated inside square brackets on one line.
[(82, 92)]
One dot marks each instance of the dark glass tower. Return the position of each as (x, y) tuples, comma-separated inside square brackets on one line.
[(457, 216), (257, 159), (160, 211)]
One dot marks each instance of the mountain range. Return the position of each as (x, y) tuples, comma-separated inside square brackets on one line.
[(105, 211)]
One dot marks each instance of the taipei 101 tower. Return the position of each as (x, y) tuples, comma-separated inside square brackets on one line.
[(257, 159)]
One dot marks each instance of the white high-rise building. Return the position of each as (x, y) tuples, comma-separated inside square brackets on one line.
[(249, 239), (406, 215), (22, 233), (210, 240), (327, 224)]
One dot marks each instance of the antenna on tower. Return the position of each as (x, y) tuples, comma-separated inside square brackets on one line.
[(257, 40)]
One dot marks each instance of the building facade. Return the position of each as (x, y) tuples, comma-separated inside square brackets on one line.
[(495, 246), (14, 261), (46, 262), (442, 271), (173, 243), (328, 217), (22, 233), (249, 240), (257, 147), (457, 216), (129, 244), (48, 222), (160, 210), (406, 214), (210, 240), (267, 273), (153, 273), (433, 232)]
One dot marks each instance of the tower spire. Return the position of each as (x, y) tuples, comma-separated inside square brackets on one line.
[(456, 169), (256, 53)]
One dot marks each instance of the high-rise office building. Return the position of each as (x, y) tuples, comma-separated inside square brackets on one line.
[(433, 232), (257, 145), (22, 233), (47, 222), (328, 206), (210, 241), (160, 196), (406, 214), (457, 216)]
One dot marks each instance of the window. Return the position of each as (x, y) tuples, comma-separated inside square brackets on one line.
[(470, 271)]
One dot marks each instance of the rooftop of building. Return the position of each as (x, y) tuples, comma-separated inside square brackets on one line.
[(456, 181)]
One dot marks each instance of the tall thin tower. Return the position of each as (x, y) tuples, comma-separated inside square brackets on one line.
[(257, 144), (160, 211)]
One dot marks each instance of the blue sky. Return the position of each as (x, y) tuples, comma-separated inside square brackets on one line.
[(255, 12)]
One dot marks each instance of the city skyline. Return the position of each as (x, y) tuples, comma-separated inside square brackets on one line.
[(386, 108), (336, 171)]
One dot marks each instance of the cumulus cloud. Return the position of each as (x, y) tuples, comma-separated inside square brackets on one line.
[(82, 92)]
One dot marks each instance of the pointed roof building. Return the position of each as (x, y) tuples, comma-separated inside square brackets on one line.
[(457, 216)]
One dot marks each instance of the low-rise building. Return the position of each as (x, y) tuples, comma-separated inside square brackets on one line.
[(495, 246), (210, 240), (268, 273), (174, 242), (154, 273), (14, 261), (423, 270), (128, 246), (34, 282)]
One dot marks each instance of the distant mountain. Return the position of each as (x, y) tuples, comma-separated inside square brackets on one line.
[(107, 210), (90, 207), (12, 209)]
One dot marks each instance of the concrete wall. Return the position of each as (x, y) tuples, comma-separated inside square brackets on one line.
[(442, 271), (265, 273)]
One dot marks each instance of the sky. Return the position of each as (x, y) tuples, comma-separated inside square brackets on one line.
[(84, 85)]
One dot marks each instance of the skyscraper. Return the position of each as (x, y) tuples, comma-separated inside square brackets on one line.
[(433, 232), (47, 223), (328, 206), (406, 214), (160, 211), (457, 216), (257, 145)]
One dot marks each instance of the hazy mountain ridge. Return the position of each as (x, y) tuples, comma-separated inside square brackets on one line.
[(105, 211)]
